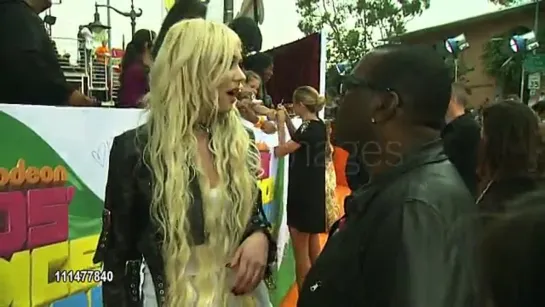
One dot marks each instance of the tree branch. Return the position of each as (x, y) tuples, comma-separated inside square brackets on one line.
[(353, 23), (382, 28), (333, 26)]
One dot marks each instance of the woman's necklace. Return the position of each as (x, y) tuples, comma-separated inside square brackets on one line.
[(204, 128)]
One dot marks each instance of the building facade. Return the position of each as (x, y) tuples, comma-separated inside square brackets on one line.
[(478, 31)]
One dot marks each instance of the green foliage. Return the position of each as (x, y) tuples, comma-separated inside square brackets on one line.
[(333, 79), (509, 2), (458, 73), (356, 26), (501, 63)]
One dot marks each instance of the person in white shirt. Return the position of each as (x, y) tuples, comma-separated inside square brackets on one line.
[(86, 42)]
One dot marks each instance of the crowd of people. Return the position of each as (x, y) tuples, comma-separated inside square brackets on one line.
[(447, 208), (36, 77), (436, 192)]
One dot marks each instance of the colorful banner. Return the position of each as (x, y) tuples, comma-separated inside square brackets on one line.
[(53, 172)]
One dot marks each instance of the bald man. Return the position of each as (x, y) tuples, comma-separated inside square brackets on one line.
[(461, 136)]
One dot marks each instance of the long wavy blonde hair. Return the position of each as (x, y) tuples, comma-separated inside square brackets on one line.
[(194, 59)]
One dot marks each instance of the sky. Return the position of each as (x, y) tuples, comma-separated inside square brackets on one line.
[(446, 11), (280, 26)]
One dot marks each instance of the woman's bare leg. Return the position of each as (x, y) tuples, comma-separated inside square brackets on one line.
[(300, 242), (314, 247)]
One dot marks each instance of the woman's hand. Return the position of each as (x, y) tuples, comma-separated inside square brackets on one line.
[(243, 103), (271, 114), (281, 114), (249, 262), (268, 127), (245, 93)]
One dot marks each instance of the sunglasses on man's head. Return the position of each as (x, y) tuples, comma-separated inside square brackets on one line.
[(343, 69), (351, 81)]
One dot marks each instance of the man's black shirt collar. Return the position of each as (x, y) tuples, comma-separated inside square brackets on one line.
[(457, 122)]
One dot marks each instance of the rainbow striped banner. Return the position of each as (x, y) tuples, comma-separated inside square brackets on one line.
[(52, 182)]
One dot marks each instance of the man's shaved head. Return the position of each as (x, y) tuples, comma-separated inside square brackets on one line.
[(460, 94)]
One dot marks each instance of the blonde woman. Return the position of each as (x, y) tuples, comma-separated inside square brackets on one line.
[(306, 206), (182, 192), (253, 83), (253, 110)]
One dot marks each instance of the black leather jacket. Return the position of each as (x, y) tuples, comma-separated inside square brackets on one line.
[(406, 241), (128, 235)]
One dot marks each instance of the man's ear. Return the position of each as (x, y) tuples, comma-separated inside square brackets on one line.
[(386, 107)]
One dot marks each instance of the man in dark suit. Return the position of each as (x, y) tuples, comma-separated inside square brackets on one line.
[(461, 136), (30, 68)]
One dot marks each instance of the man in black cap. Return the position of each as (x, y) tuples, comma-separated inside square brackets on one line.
[(31, 73), (182, 9), (249, 33)]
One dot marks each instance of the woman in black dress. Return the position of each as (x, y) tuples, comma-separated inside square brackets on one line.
[(306, 186)]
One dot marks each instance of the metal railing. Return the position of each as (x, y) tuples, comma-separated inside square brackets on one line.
[(92, 75), (73, 61)]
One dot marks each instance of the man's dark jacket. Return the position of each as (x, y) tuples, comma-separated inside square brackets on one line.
[(461, 139), (356, 173), (407, 240), (31, 73)]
